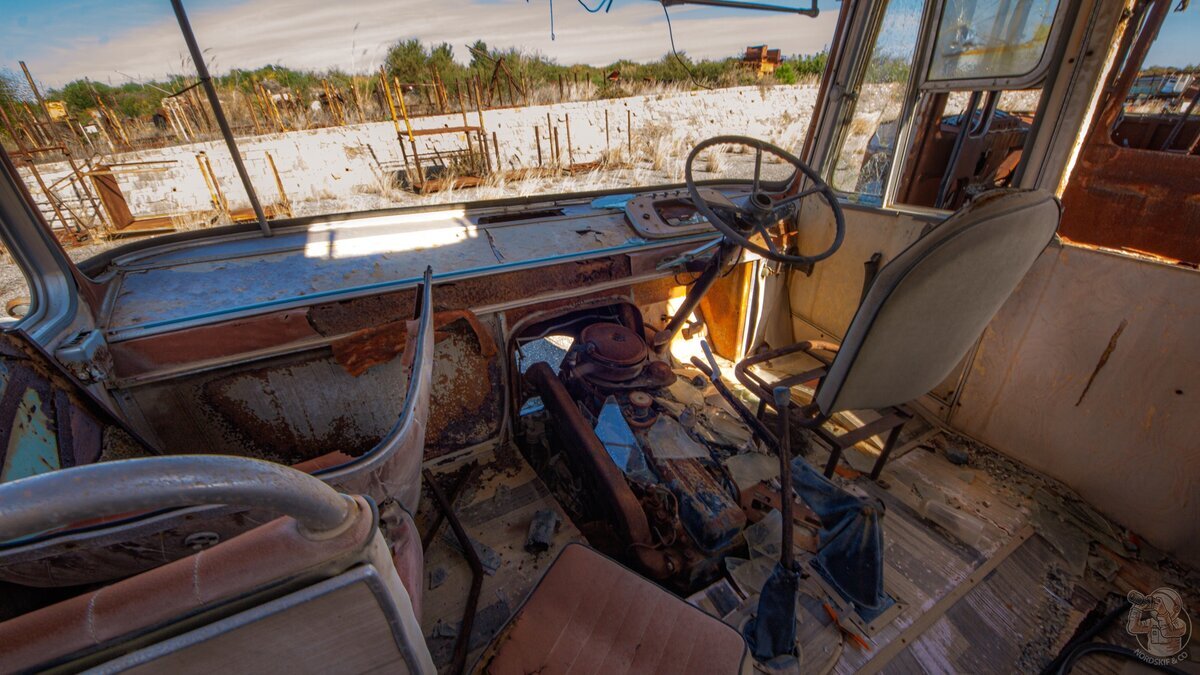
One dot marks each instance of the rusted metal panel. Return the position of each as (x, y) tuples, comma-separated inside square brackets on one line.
[(1088, 374), (1142, 200), (250, 337), (285, 409), (380, 344), (47, 420), (351, 315), (126, 545), (467, 404), (370, 347), (248, 275), (140, 356), (1128, 198), (724, 308)]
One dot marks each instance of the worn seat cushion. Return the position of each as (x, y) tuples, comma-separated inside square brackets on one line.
[(591, 615), (271, 553)]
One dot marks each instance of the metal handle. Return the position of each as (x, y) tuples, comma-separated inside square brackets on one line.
[(712, 360), (51, 500)]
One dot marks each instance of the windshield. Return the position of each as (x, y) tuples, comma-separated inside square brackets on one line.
[(340, 108)]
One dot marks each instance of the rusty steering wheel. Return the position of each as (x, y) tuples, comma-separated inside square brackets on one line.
[(767, 204)]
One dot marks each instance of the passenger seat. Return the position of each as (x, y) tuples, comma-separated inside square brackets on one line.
[(589, 614)]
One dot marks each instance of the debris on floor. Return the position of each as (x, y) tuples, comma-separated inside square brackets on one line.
[(487, 555), (719, 599), (437, 577), (541, 531)]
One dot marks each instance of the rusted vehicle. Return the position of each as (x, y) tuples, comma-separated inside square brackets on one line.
[(918, 395)]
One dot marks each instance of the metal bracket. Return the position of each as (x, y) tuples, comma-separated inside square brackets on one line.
[(85, 355)]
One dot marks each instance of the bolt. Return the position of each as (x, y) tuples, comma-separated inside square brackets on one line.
[(198, 541)]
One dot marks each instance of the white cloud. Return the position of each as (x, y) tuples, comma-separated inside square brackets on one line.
[(319, 34)]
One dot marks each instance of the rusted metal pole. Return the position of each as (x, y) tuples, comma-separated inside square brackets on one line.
[(403, 109), (483, 147), (391, 106), (427, 537), (479, 104), (1178, 126), (783, 399), (537, 137), (570, 150), (202, 70), (13, 132), (38, 95), (437, 89), (557, 150), (37, 176), (82, 182), (462, 644)]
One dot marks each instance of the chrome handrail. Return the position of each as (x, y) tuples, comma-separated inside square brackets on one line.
[(36, 504)]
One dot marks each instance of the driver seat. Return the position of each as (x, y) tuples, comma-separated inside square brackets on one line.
[(919, 317)]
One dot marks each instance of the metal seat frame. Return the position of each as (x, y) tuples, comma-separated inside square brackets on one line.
[(891, 419)]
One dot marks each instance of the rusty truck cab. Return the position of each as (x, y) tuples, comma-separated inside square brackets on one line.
[(567, 431)]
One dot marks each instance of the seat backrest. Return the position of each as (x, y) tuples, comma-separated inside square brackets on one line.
[(318, 589), (927, 306)]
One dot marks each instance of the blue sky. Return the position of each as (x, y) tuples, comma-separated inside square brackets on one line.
[(115, 41), (121, 40)]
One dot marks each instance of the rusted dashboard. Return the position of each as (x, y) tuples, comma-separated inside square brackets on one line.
[(255, 346)]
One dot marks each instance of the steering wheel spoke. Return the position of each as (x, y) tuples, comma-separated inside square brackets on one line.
[(732, 220), (767, 238), (798, 197)]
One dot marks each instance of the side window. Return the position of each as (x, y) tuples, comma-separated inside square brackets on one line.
[(14, 290), (991, 43), (964, 143), (974, 106), (1162, 108), (868, 141)]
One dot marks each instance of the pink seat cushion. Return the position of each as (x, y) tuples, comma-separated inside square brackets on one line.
[(591, 615)]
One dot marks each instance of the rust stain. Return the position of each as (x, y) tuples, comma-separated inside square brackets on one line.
[(1112, 345), (380, 344), (355, 314), (190, 345), (273, 436), (466, 401), (371, 346)]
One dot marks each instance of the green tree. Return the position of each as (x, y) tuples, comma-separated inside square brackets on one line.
[(406, 60), (786, 73), (480, 56)]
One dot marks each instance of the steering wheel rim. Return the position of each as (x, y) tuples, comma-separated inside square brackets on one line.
[(761, 208)]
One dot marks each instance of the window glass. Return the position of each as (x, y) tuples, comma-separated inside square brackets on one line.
[(14, 290), (1162, 108), (991, 38), (868, 142), (936, 175), (362, 109)]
